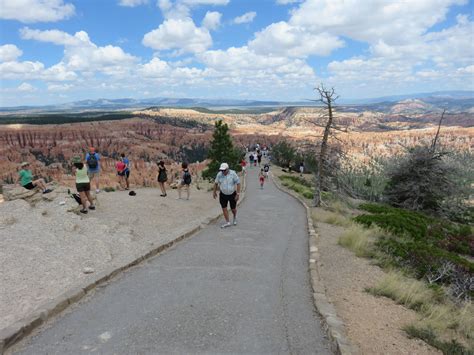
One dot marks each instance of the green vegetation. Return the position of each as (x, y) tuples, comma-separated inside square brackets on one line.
[(427, 335), (297, 184), (109, 189), (221, 151), (359, 239), (63, 118), (284, 154)]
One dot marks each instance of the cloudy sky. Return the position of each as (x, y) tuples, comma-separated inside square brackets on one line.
[(54, 51)]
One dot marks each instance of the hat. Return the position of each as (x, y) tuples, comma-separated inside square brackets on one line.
[(132, 193), (25, 163), (76, 160), (224, 166)]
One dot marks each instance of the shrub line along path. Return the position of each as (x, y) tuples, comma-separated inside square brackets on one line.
[(245, 289)]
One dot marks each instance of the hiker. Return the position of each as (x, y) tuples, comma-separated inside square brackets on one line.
[(243, 164), (26, 179), (93, 167), (121, 168), (126, 175), (266, 169), (251, 159), (185, 181), (229, 185), (259, 157), (255, 159), (261, 178), (162, 177), (301, 168), (83, 185)]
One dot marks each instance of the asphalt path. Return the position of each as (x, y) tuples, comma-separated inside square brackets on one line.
[(242, 290)]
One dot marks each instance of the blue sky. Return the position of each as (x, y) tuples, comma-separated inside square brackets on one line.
[(55, 51)]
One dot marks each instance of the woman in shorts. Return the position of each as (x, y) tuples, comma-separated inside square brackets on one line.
[(185, 181), (26, 179), (83, 185), (162, 177), (121, 168)]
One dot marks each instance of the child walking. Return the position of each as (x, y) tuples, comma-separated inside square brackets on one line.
[(261, 177)]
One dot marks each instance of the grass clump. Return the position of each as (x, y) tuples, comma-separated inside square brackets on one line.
[(411, 293), (298, 184), (443, 325), (109, 189), (360, 240), (331, 218)]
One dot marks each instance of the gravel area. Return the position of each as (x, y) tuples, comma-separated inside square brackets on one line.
[(45, 248), (373, 323)]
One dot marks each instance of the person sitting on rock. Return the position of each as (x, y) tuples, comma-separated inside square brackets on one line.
[(26, 179), (83, 184)]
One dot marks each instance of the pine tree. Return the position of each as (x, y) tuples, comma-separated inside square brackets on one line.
[(221, 151)]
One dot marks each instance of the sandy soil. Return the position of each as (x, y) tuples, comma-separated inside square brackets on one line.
[(373, 323), (44, 249)]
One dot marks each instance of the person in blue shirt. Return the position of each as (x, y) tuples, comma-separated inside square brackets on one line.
[(127, 170), (228, 183), (93, 167)]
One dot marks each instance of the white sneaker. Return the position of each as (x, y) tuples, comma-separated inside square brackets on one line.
[(97, 191), (235, 221), (225, 225)]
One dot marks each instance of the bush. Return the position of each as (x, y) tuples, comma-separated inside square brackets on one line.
[(425, 245)]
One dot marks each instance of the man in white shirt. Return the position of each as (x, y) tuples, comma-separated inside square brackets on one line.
[(229, 184)]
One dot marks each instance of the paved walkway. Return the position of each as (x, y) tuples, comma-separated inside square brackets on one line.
[(244, 289)]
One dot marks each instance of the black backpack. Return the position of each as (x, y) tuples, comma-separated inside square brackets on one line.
[(92, 162), (187, 178)]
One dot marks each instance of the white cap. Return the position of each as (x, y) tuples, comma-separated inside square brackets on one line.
[(224, 166)]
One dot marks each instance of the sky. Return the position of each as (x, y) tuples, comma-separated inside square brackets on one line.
[(57, 51)]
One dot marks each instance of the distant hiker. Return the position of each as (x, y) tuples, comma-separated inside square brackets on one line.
[(229, 185), (251, 159), (255, 159), (266, 169), (126, 175), (261, 178), (121, 168), (26, 179), (259, 157), (301, 168), (93, 167), (83, 185), (243, 164), (185, 181), (162, 177)]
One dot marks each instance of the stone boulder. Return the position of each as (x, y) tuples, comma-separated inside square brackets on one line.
[(15, 192)]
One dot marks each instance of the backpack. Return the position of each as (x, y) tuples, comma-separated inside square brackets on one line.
[(92, 162), (187, 178), (266, 168)]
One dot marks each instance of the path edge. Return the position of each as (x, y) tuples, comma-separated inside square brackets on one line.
[(19, 330), (333, 325)]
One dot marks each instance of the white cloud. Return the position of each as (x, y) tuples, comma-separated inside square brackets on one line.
[(81, 54), (26, 87), (205, 2), (132, 3), (21, 70), (180, 34), (245, 18), (29, 11), (372, 20), (212, 20), (59, 87), (9, 53), (286, 40)]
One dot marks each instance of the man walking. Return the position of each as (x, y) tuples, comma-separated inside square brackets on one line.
[(93, 167), (229, 184)]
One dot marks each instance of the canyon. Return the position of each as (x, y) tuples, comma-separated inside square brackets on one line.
[(183, 134)]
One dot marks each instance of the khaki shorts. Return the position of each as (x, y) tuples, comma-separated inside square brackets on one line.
[(93, 175)]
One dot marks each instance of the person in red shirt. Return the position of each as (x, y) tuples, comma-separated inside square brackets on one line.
[(243, 164), (120, 166)]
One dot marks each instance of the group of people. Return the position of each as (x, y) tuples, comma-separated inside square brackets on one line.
[(87, 171)]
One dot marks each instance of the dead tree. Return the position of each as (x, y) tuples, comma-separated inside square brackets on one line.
[(327, 98)]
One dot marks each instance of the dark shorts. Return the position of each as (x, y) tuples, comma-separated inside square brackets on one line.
[(83, 187), (127, 174), (29, 186), (225, 199)]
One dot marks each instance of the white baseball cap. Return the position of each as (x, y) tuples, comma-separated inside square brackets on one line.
[(224, 166)]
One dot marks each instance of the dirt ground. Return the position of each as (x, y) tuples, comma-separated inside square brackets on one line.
[(373, 324), (44, 249)]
